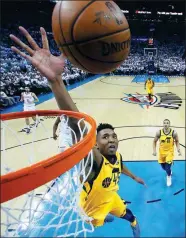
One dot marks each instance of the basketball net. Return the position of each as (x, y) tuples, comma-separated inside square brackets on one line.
[(51, 210)]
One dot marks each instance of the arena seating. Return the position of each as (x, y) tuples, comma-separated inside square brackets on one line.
[(16, 73)]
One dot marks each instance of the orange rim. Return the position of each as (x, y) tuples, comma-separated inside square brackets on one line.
[(24, 180)]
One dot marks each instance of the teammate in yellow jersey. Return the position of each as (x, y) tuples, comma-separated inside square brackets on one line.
[(167, 137), (104, 178), (149, 85)]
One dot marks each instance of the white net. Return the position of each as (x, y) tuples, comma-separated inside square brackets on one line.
[(51, 210)]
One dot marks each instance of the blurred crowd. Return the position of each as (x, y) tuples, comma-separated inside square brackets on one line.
[(16, 73), (168, 60)]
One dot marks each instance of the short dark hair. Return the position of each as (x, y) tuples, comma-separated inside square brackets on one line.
[(103, 126), (166, 120)]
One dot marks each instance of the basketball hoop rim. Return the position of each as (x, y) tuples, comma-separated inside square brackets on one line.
[(24, 180)]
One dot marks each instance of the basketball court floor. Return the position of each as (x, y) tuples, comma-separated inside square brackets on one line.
[(119, 100)]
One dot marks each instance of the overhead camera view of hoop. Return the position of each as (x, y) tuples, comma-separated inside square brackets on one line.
[(92, 117)]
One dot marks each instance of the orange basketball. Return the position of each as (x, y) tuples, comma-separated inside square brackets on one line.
[(94, 35)]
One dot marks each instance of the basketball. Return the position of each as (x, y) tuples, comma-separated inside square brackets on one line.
[(93, 35)]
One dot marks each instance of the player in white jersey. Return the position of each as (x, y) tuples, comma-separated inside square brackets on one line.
[(29, 100), (65, 133)]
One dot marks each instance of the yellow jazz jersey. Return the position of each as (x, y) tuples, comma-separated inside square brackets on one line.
[(149, 84), (99, 197), (166, 148)]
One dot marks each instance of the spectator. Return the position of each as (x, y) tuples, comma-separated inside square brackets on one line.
[(5, 100)]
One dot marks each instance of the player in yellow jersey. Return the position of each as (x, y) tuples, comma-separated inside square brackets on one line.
[(167, 137), (149, 85), (102, 184), (99, 196)]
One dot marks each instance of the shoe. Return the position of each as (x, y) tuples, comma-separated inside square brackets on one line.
[(36, 124), (28, 131), (109, 218), (169, 181), (136, 230)]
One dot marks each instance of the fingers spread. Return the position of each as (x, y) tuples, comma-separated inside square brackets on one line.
[(44, 38), (29, 38), (16, 50), (21, 44)]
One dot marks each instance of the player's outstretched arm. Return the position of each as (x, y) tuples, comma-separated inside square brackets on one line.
[(55, 126), (145, 84), (156, 138), (131, 175), (22, 98), (49, 66), (35, 97), (176, 138)]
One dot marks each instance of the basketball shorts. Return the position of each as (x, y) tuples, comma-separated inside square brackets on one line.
[(149, 91), (98, 212), (29, 108), (166, 157)]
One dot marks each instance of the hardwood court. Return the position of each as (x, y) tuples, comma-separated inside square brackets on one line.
[(101, 99)]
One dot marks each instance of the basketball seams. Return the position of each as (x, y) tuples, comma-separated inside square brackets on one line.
[(102, 61), (95, 38), (75, 42), (76, 50), (60, 24), (72, 29)]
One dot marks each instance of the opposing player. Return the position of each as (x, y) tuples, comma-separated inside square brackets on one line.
[(167, 137), (149, 85), (65, 134), (104, 178), (29, 99)]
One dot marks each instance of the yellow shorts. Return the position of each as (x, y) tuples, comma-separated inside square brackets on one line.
[(115, 206), (166, 158), (149, 91)]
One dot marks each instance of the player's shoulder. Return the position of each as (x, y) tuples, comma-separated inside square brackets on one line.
[(174, 132), (159, 132)]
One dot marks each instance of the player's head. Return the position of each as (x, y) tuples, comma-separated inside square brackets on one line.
[(107, 141), (166, 123), (27, 89)]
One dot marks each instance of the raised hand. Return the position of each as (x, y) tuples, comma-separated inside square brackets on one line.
[(48, 65)]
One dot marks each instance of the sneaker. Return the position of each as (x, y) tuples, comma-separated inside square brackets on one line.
[(28, 131), (169, 181), (136, 230), (36, 124), (109, 218)]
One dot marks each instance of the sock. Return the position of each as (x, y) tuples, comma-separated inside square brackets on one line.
[(134, 223)]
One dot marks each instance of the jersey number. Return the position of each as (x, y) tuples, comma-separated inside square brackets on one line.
[(168, 140), (115, 175)]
